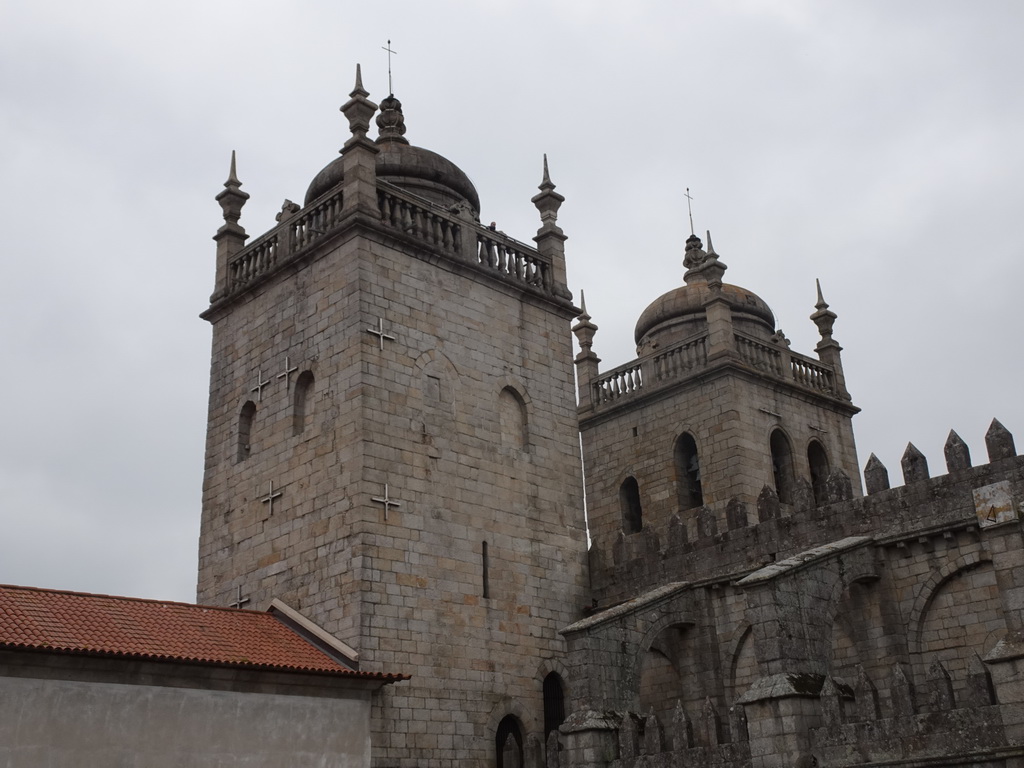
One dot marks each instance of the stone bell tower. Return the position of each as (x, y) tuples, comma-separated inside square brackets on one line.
[(715, 411), (392, 445)]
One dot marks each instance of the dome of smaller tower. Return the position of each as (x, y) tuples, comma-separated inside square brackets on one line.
[(680, 313), (415, 169)]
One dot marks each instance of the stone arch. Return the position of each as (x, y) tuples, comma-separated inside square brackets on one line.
[(437, 379), (514, 422), (930, 588), (686, 461), (302, 402), (509, 743), (668, 669), (742, 658), (819, 468), (557, 667), (555, 697), (631, 506), (504, 710), (780, 449), (243, 433)]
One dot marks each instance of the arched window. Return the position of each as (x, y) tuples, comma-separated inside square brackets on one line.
[(554, 703), (782, 466), (512, 411), (509, 743), (302, 403), (245, 419), (688, 473), (817, 459), (632, 513)]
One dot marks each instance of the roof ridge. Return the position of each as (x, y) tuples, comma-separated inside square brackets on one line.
[(45, 590)]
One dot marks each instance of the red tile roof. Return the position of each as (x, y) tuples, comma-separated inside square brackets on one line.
[(80, 623)]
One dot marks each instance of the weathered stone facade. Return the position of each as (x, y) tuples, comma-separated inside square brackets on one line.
[(394, 450)]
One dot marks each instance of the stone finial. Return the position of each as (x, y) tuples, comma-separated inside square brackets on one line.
[(547, 200), (767, 504), (915, 465), (358, 109), (940, 688), (702, 266), (838, 487), (803, 495), (654, 737), (735, 514), (865, 697), (231, 200), (629, 742), (958, 455), (682, 729), (391, 122), (876, 476), (823, 317), (584, 329), (831, 707), (710, 724), (707, 523), (288, 209), (738, 724), (999, 442), (979, 691), (901, 692)]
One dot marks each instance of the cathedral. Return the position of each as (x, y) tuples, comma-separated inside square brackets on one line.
[(400, 440)]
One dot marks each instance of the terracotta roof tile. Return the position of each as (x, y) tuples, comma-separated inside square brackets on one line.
[(76, 622)]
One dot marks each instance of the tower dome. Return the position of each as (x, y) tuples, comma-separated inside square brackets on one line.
[(414, 169), (680, 313)]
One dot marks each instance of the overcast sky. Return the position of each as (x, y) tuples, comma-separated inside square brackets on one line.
[(878, 146)]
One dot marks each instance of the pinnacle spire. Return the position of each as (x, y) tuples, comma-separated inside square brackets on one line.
[(358, 90), (822, 304), (711, 248), (232, 174), (547, 177), (583, 307)]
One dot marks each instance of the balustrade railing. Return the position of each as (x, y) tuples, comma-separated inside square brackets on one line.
[(615, 384), (811, 374), (690, 356), (676, 361), (419, 221), (422, 219), (759, 355), (512, 260), (257, 259)]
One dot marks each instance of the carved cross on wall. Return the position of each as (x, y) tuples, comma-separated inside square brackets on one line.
[(386, 501), (379, 332), (271, 496), (287, 373), (239, 601), (260, 384)]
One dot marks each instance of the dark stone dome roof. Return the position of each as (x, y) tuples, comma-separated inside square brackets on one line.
[(418, 170), (690, 300), (415, 168)]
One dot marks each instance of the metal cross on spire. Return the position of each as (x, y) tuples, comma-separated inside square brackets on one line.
[(689, 210), (391, 90)]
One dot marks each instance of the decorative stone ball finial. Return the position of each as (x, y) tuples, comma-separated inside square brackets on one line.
[(391, 121)]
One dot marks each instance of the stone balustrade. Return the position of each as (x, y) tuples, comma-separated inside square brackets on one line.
[(690, 356), (430, 224)]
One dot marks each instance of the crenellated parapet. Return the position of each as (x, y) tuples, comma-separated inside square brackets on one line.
[(734, 538), (930, 721)]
